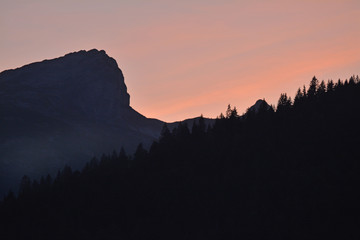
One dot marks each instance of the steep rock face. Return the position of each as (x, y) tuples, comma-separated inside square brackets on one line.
[(65, 111), (82, 84)]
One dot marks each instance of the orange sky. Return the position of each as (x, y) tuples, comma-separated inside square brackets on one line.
[(185, 58)]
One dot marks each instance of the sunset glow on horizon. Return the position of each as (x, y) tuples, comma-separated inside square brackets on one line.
[(183, 59)]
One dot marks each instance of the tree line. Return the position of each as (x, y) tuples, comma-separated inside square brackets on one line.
[(285, 172)]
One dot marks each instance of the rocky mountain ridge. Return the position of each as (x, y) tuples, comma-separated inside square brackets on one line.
[(65, 111)]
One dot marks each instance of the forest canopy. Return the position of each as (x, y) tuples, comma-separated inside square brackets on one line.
[(285, 172)]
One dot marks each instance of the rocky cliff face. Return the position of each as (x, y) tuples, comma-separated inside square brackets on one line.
[(79, 84), (65, 111)]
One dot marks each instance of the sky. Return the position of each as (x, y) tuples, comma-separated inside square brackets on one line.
[(185, 58)]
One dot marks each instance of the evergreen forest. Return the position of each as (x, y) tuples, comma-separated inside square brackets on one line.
[(290, 171)]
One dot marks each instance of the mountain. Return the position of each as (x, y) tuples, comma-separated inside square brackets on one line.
[(261, 103), (65, 111)]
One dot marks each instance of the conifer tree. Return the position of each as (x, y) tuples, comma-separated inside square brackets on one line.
[(304, 91), (165, 132), (25, 185), (322, 88), (140, 155), (234, 113), (284, 102), (330, 86), (299, 96), (314, 83), (228, 111), (352, 81), (339, 84)]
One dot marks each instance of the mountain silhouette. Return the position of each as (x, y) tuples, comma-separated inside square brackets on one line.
[(65, 111), (261, 103)]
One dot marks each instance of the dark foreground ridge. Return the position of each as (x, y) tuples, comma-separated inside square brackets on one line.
[(292, 173)]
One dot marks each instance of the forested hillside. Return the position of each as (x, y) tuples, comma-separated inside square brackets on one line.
[(289, 173)]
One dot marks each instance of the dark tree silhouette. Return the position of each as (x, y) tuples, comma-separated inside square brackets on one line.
[(284, 102), (313, 87), (228, 111), (25, 185), (330, 86), (322, 88), (289, 174), (298, 97)]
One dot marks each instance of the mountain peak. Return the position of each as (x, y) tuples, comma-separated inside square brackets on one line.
[(258, 105), (64, 111), (89, 83), (93, 53)]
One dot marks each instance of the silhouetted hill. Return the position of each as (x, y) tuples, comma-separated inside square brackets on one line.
[(261, 103), (292, 173), (65, 111)]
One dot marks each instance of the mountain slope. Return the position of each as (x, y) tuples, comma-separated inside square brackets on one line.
[(65, 111)]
